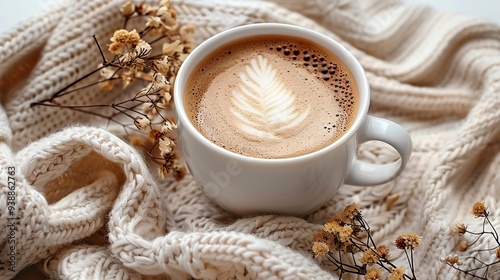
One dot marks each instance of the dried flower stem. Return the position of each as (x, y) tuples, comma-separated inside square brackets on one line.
[(348, 234), (410, 262), (132, 61), (104, 61), (482, 270)]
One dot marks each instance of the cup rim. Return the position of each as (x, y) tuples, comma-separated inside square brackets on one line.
[(236, 33)]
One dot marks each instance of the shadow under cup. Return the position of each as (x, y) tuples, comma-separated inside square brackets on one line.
[(249, 185)]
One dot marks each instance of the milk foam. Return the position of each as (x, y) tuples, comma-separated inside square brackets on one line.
[(271, 97), (262, 105)]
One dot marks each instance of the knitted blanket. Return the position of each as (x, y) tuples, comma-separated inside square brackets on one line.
[(88, 205)]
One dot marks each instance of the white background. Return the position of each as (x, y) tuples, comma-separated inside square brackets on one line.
[(13, 11)]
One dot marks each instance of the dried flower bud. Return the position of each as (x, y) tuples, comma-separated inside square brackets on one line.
[(133, 38), (166, 145), (397, 273), (116, 48), (141, 122), (343, 233), (459, 228), (160, 84), (164, 19), (369, 257), (123, 38), (187, 32), (134, 59), (332, 226), (167, 126), (451, 259), (154, 22), (142, 9), (498, 253), (351, 211), (168, 16), (161, 66), (161, 11), (320, 248), (120, 36), (170, 159), (143, 48), (383, 252), (163, 171), (373, 274), (408, 241), (127, 9), (170, 49), (168, 165), (126, 37), (179, 172), (463, 246), (322, 236), (479, 209)]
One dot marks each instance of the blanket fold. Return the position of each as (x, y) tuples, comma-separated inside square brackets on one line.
[(88, 206)]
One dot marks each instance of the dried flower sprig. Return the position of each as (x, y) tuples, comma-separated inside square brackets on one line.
[(346, 241), (481, 271), (134, 62)]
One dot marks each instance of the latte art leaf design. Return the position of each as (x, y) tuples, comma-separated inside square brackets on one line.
[(262, 106)]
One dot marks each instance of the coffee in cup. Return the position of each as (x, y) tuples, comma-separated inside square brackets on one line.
[(271, 97)]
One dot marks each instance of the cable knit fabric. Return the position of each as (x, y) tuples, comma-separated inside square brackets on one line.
[(88, 205)]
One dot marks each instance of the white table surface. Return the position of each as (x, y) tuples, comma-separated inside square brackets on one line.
[(11, 12)]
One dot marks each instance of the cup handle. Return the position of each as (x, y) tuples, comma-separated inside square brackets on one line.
[(368, 174)]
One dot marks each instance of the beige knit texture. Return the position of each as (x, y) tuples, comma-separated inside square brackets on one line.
[(77, 180)]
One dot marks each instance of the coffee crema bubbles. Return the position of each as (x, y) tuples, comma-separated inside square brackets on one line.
[(271, 97)]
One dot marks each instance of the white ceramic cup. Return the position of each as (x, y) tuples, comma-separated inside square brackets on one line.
[(298, 185)]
